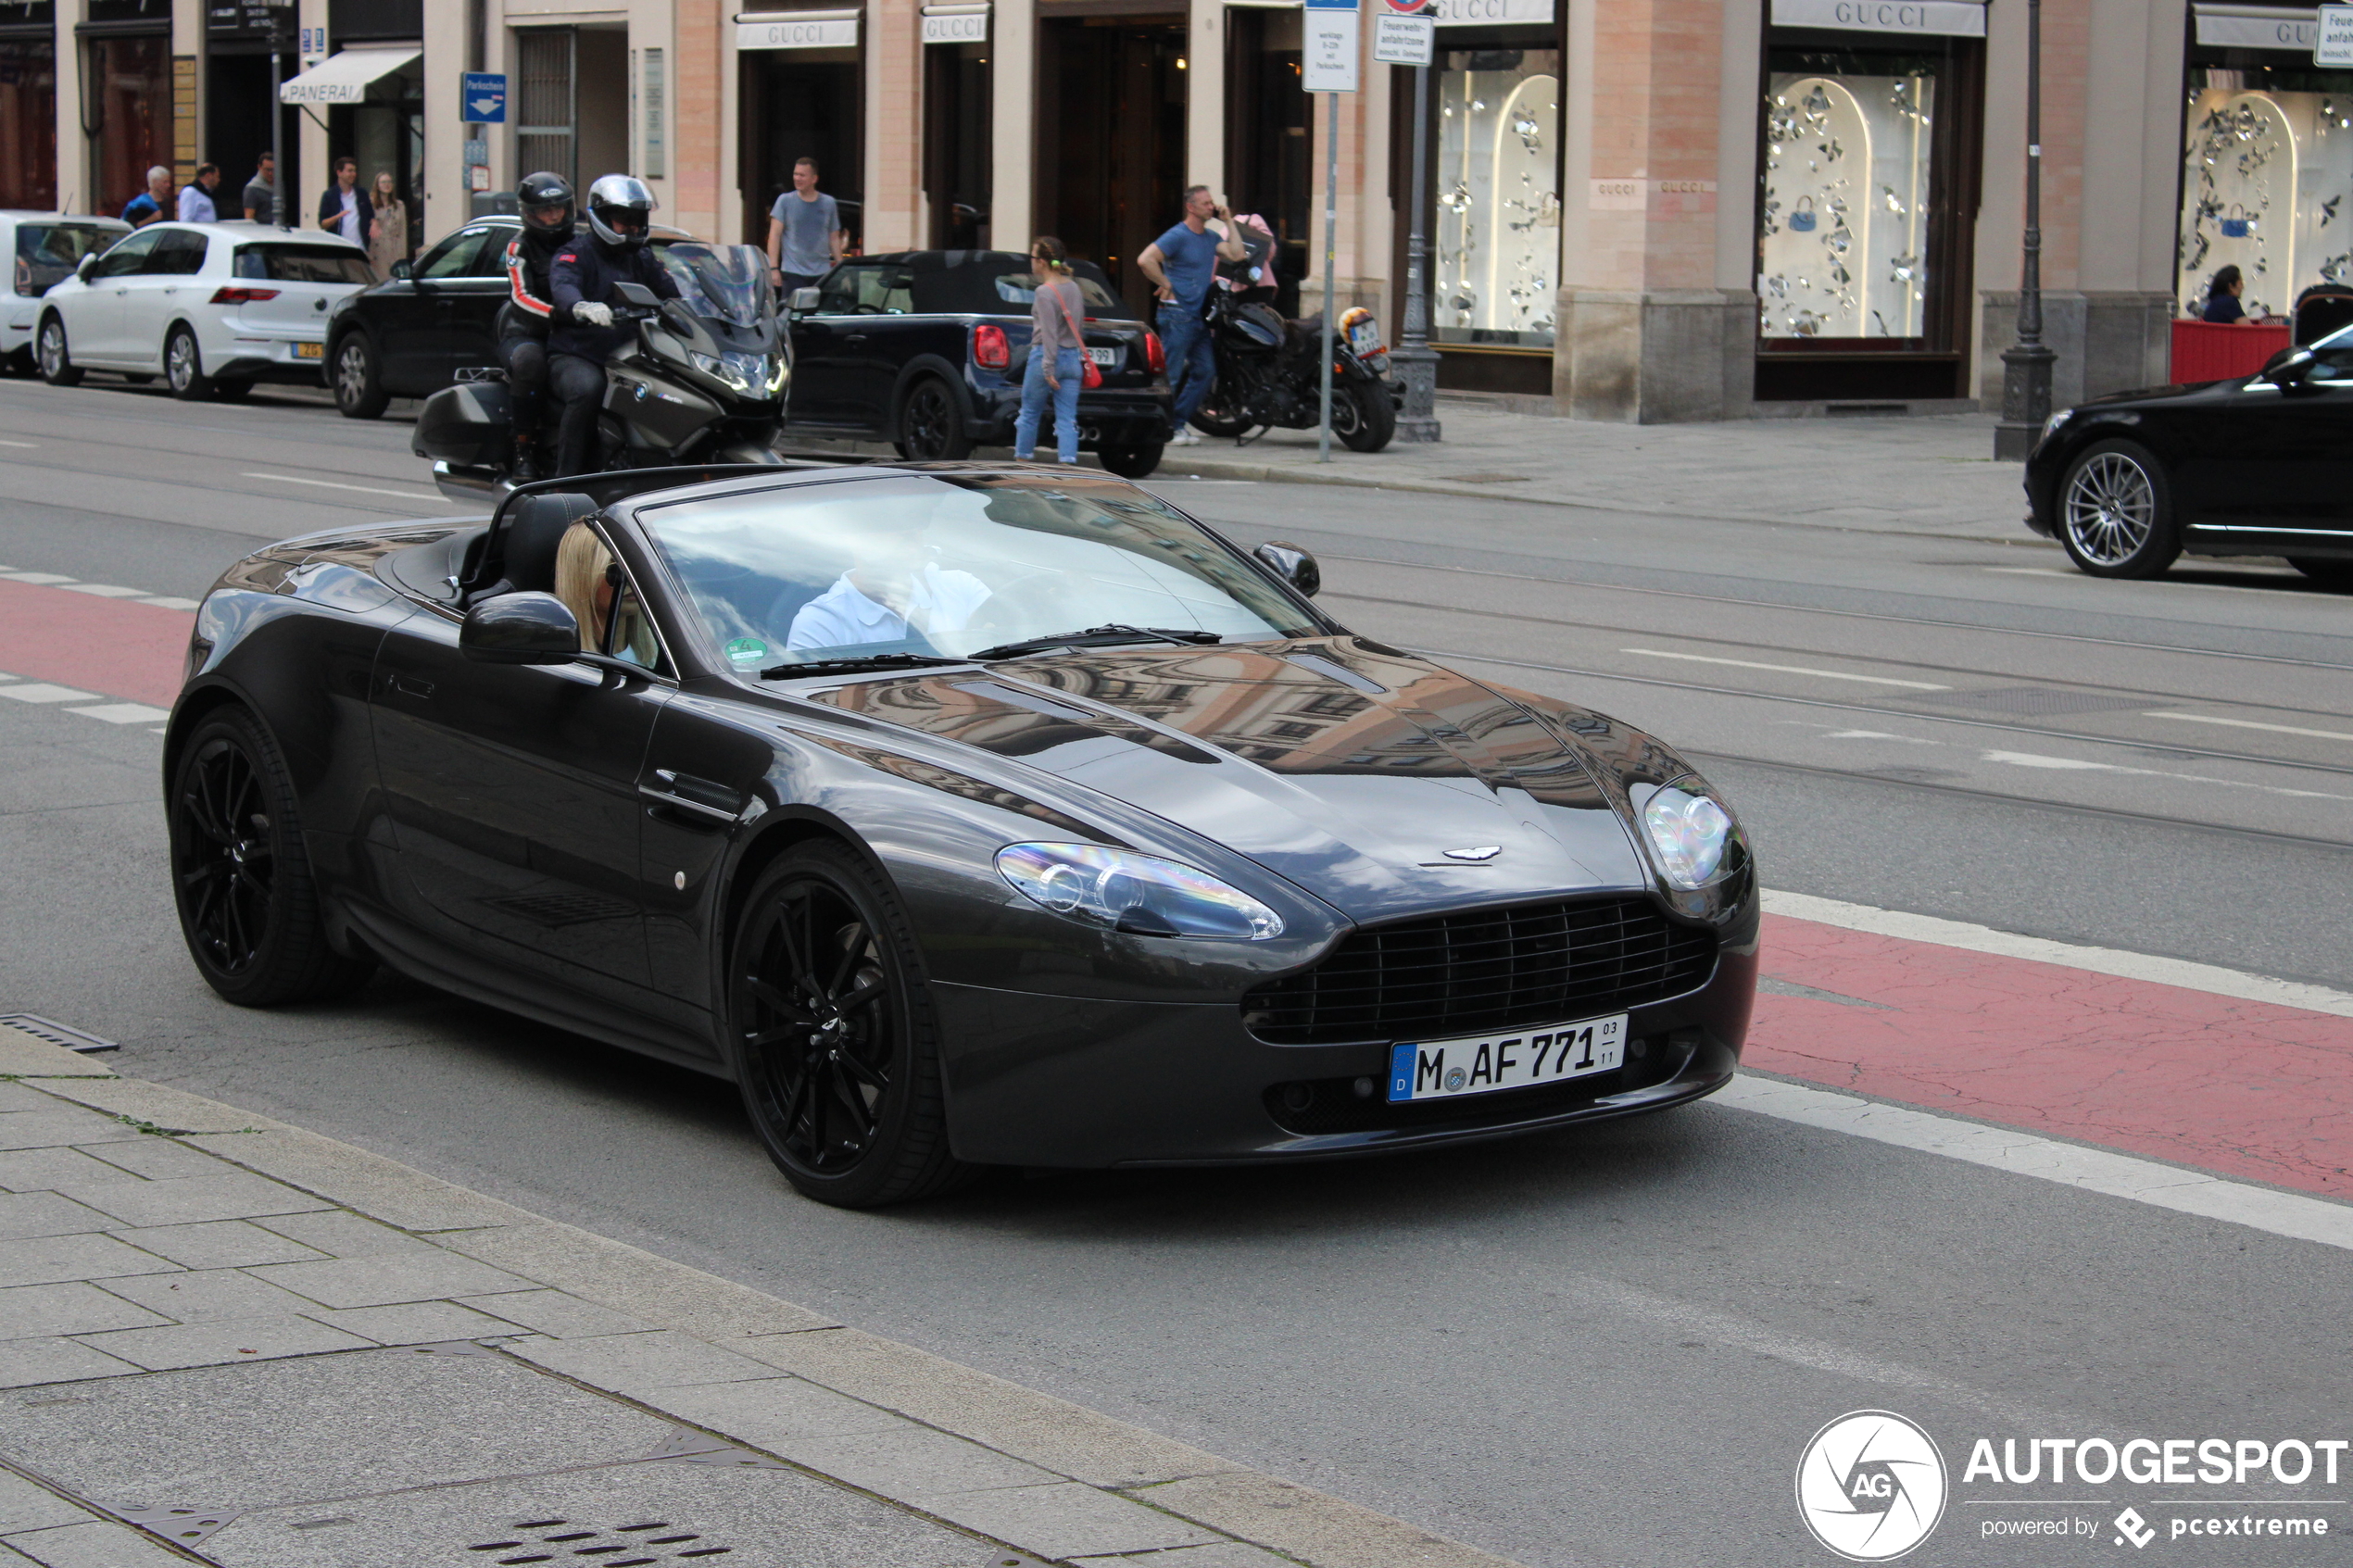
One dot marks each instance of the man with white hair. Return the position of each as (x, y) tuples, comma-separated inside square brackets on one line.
[(152, 202)]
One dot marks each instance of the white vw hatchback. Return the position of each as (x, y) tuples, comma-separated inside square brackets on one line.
[(44, 247), (213, 307)]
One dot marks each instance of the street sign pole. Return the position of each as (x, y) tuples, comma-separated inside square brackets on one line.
[(1329, 66), (279, 14), (1409, 39)]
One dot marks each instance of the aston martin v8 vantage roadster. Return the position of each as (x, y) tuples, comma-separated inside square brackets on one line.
[(962, 814)]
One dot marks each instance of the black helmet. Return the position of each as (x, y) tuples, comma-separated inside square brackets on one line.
[(540, 192), (621, 210)]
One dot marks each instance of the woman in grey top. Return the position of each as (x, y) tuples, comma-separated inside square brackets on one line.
[(1056, 351)]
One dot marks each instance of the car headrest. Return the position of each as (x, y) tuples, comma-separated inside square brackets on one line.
[(537, 527)]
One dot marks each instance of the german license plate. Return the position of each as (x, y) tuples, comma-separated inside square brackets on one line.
[(1364, 337), (1104, 358), (1483, 1063), (310, 351)]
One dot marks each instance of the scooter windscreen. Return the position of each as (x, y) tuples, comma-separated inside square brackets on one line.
[(729, 282)]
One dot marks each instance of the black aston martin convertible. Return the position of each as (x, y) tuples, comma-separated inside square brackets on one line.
[(962, 814)]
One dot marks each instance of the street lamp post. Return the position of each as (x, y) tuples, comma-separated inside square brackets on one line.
[(1417, 362), (2026, 365)]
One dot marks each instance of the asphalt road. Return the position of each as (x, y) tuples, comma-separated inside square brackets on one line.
[(1600, 1348)]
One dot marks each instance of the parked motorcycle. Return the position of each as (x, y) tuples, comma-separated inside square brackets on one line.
[(704, 382), (1269, 374)]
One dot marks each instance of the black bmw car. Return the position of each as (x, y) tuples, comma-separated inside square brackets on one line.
[(963, 815), (926, 349), (2257, 467)]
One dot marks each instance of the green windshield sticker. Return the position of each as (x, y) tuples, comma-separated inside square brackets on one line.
[(746, 650)]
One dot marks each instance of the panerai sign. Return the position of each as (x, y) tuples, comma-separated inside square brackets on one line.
[(797, 30), (1956, 18)]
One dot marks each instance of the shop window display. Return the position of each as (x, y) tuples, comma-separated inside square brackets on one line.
[(1498, 196), (2264, 189), (1844, 229)]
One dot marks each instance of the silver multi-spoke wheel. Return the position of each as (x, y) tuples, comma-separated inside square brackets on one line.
[(351, 371), (2111, 508), (181, 366), (56, 368)]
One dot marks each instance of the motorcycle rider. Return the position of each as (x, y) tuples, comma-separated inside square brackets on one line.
[(611, 251), (546, 206)]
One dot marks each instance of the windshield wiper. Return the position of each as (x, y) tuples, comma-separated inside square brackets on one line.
[(1099, 637), (852, 666)]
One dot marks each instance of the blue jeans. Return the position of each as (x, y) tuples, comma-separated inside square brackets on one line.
[(1068, 371), (1193, 361)]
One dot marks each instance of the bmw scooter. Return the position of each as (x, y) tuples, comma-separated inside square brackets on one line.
[(704, 382)]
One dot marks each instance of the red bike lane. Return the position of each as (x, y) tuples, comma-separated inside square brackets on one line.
[(2252, 1090)]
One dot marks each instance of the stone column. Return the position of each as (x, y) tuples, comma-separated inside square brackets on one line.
[(1205, 95), (1013, 83), (187, 91), (894, 57), (702, 120), (73, 144), (441, 188), (1648, 332)]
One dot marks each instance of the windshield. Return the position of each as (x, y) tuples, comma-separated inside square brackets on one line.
[(949, 565), (47, 253), (728, 281)]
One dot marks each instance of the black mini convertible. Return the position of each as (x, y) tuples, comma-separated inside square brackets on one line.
[(963, 814)]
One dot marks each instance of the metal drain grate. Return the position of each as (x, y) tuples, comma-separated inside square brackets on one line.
[(51, 1032), (2036, 700), (623, 1545), (184, 1526)]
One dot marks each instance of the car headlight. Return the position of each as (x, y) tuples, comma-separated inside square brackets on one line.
[(1692, 836), (1142, 894), (2051, 425), (746, 373)]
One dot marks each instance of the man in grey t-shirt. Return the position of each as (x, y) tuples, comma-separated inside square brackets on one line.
[(804, 232)]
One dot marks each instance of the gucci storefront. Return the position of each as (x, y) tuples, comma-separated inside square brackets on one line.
[(1870, 148)]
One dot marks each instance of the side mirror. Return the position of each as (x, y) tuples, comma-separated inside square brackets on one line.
[(1293, 565), (87, 265), (2292, 369), (402, 271), (677, 317), (637, 295), (804, 300), (520, 629)]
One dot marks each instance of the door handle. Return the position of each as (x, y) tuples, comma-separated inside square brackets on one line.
[(410, 685), (855, 337)]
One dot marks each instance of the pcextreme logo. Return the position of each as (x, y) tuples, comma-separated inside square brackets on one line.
[(1870, 1486)]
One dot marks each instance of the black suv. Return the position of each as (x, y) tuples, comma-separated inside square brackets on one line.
[(926, 350), (409, 335)]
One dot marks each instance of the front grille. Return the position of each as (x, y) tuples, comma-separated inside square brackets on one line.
[(1484, 970)]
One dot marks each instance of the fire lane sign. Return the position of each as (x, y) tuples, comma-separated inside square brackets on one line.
[(2333, 40)]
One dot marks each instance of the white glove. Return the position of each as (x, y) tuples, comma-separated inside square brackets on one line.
[(592, 315)]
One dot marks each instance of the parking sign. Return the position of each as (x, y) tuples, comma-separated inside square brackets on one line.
[(484, 94)]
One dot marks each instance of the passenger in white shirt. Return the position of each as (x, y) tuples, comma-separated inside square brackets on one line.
[(894, 597)]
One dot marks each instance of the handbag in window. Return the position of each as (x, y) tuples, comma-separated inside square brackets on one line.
[(1801, 217), (2236, 224)]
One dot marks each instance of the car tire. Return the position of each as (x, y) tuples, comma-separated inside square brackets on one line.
[(2116, 511), (183, 367), (2327, 572), (1131, 462), (1363, 416), (846, 1099), (56, 363), (248, 907), (358, 379), (931, 423)]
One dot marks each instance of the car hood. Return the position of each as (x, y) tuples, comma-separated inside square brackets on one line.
[(1350, 773)]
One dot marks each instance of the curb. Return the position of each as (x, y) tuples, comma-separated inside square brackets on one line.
[(882, 1417)]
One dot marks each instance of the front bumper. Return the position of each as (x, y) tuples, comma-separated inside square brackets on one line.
[(1060, 1081)]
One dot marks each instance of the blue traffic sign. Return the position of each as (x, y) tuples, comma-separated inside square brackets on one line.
[(485, 97)]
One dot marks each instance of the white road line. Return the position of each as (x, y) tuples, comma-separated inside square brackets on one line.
[(2251, 724), (42, 578), (1788, 669), (332, 485), (2118, 1175), (123, 713), (104, 590), (2190, 976), (37, 691), (28, 445), (167, 601), (2076, 764)]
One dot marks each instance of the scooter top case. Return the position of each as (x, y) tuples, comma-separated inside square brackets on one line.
[(465, 424)]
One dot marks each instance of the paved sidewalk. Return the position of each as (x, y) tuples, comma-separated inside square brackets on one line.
[(225, 1340), (1932, 474)]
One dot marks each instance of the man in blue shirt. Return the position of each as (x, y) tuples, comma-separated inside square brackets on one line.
[(149, 203), (1181, 264)]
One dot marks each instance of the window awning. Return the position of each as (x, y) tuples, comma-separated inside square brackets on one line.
[(346, 78)]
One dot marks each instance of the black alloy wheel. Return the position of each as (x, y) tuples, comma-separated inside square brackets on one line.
[(931, 424), (183, 367), (1131, 462), (247, 905), (1363, 415), (2116, 511), (358, 381), (837, 1049), (57, 365), (2328, 573)]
